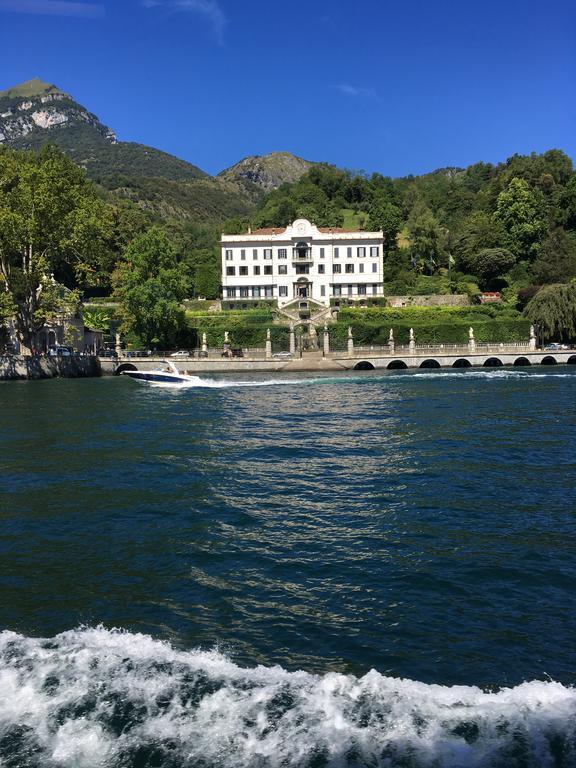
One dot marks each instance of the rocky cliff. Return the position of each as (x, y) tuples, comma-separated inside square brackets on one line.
[(37, 105), (268, 172)]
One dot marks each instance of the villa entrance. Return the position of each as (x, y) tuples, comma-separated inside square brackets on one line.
[(302, 289)]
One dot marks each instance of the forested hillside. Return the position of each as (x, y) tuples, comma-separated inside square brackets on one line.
[(509, 227)]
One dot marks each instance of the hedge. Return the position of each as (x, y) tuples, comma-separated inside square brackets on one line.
[(497, 331)]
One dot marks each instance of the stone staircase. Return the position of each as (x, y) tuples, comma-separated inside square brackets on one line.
[(318, 314)]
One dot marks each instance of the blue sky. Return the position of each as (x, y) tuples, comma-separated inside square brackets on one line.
[(379, 85)]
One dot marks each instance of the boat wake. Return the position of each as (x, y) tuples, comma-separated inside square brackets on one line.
[(95, 697), (197, 382)]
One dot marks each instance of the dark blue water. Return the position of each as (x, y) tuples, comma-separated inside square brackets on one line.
[(420, 525)]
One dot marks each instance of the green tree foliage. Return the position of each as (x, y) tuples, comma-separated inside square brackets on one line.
[(96, 319), (554, 309), (425, 236), (520, 212), (567, 204), (150, 285), (386, 216), (51, 222), (490, 262), (557, 260), (477, 232)]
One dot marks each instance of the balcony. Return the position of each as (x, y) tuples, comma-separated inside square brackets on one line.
[(302, 254)]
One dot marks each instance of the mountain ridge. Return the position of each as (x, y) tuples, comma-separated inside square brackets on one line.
[(35, 113)]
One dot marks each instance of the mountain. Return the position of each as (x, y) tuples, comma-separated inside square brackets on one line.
[(36, 113), (36, 106), (264, 173)]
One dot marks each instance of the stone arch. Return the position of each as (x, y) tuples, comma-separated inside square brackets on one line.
[(430, 364), (492, 362), (397, 365), (549, 360), (461, 363), (522, 361), (364, 365), (125, 367), (571, 360)]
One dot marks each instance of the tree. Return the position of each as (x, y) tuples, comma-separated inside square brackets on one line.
[(520, 212), (477, 232), (557, 260), (554, 310), (51, 222), (568, 204), (425, 236), (491, 262), (97, 319), (150, 285), (386, 216)]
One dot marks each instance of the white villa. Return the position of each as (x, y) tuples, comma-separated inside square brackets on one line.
[(300, 262)]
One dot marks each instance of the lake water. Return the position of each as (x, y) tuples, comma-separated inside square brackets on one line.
[(357, 570)]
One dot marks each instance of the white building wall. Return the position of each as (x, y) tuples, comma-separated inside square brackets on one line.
[(334, 264)]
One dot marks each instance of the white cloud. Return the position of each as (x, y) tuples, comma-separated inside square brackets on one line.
[(77, 10), (357, 91), (209, 9)]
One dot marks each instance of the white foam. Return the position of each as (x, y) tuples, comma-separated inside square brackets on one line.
[(198, 382), (94, 697)]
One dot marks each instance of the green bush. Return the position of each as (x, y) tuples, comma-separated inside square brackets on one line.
[(485, 330), (245, 329)]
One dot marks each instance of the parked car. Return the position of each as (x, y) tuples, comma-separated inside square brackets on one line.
[(60, 351), (181, 353), (555, 347), (283, 355)]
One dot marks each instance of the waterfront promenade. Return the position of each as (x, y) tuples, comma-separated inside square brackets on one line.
[(358, 358)]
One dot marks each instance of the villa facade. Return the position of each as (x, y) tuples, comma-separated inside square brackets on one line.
[(302, 262)]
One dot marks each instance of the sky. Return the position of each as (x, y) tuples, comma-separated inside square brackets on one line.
[(394, 86)]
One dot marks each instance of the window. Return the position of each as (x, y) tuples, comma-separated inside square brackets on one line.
[(349, 252), (337, 290), (374, 250), (375, 267), (243, 254), (322, 253), (361, 252), (322, 290), (320, 269), (350, 290), (267, 254), (362, 290), (282, 253), (231, 293), (336, 253), (229, 255), (268, 269), (269, 292), (375, 289), (301, 269), (243, 293), (360, 267), (283, 290), (230, 270), (255, 293), (282, 269), (243, 271), (349, 269), (337, 268), (256, 269), (255, 254)]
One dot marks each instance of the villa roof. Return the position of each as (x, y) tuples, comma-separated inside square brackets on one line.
[(324, 230)]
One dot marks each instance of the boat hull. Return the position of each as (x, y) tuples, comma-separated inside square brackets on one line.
[(157, 377)]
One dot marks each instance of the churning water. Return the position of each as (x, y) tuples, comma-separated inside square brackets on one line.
[(362, 571)]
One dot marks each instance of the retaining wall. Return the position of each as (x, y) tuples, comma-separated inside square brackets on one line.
[(16, 367)]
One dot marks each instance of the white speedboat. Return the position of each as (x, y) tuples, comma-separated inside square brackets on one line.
[(167, 375)]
